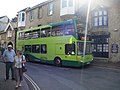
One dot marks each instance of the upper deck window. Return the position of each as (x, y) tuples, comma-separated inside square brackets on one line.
[(21, 35), (36, 33), (28, 35), (63, 29)]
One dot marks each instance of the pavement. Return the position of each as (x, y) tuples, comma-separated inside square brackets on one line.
[(108, 64), (9, 84)]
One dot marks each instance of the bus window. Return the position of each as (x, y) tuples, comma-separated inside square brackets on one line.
[(53, 33), (28, 48), (59, 33), (48, 32), (58, 30), (70, 49), (43, 48), (21, 36), (36, 48), (80, 48), (36, 33), (45, 32), (69, 29), (28, 35)]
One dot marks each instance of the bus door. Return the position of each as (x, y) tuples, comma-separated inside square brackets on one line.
[(43, 55), (59, 49)]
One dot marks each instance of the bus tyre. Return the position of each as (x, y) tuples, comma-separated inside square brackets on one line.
[(58, 62)]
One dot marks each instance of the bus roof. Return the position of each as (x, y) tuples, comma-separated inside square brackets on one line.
[(40, 27)]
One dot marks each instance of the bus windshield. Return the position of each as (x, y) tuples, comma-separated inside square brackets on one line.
[(80, 48)]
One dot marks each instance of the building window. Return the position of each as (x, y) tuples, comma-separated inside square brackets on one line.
[(64, 3), (100, 18), (67, 3), (31, 15), (105, 48), (9, 33), (19, 17), (23, 16), (50, 9), (40, 12), (94, 48), (99, 48), (70, 3)]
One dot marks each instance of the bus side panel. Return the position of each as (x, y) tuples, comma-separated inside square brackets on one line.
[(59, 49), (50, 53)]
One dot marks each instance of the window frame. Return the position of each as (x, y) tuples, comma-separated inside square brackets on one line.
[(31, 15), (100, 18), (23, 17), (41, 51), (30, 49), (64, 3), (68, 50), (19, 17), (50, 9), (70, 3), (40, 13), (9, 34), (34, 50)]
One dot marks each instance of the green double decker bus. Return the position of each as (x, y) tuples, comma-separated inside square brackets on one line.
[(57, 43)]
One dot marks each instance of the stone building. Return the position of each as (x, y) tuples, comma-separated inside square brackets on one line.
[(104, 22), (8, 35), (105, 29), (11, 33), (50, 11), (4, 20)]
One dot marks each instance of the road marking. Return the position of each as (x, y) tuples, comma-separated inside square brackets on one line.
[(36, 87)]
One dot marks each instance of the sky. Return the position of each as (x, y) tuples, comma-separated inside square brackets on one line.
[(11, 7)]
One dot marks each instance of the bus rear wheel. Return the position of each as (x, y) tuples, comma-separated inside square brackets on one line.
[(58, 62)]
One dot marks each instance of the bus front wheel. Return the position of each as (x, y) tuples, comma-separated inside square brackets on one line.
[(58, 62)]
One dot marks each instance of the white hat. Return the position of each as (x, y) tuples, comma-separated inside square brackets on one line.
[(10, 46)]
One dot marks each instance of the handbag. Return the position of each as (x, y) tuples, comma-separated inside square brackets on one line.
[(24, 68)]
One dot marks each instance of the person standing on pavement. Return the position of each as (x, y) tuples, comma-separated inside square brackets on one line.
[(8, 58), (19, 61)]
